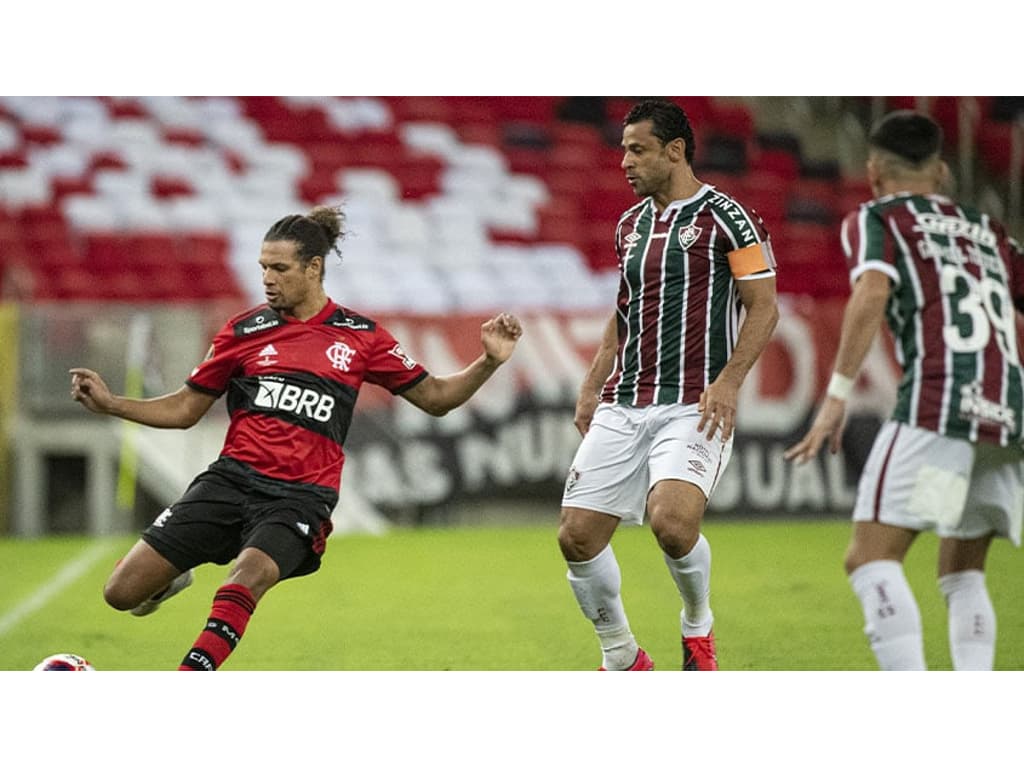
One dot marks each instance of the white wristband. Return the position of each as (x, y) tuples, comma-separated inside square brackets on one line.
[(839, 386)]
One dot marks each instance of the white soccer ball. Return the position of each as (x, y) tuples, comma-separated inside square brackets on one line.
[(64, 662)]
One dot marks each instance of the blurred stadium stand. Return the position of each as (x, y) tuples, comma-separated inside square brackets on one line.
[(166, 198)]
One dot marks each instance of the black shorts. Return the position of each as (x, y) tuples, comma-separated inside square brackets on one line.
[(217, 518)]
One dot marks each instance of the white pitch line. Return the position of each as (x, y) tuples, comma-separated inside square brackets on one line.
[(64, 578)]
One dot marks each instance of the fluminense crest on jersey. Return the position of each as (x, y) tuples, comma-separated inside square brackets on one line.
[(689, 236)]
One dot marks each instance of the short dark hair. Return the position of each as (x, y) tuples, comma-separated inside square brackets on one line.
[(669, 122), (910, 135), (315, 234)]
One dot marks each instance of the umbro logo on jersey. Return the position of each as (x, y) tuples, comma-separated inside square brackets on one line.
[(632, 237), (266, 354), (689, 236), (697, 467), (304, 527)]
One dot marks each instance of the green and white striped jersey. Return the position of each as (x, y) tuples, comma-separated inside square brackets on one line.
[(957, 279), (678, 306)]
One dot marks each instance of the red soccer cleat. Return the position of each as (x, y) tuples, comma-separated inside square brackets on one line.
[(699, 653), (643, 663)]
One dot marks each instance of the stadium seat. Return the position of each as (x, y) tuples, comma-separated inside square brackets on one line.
[(813, 201), (995, 147), (446, 177)]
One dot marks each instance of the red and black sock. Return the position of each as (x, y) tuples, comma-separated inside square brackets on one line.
[(233, 606)]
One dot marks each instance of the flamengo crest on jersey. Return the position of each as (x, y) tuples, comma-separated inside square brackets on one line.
[(678, 304), (956, 280)]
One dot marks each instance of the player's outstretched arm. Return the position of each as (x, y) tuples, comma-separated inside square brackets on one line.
[(179, 409), (861, 319), (439, 394)]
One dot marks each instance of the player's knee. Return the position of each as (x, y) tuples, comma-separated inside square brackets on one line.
[(570, 543), (574, 542), (676, 534), (675, 540), (118, 597)]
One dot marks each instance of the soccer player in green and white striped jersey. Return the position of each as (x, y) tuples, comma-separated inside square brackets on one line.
[(947, 278), (658, 404)]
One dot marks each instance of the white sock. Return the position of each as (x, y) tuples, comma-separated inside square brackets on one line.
[(692, 575), (972, 620), (892, 618), (597, 585)]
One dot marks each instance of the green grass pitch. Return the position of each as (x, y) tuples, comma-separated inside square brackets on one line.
[(490, 599)]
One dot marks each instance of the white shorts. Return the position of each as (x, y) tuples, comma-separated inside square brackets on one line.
[(627, 450), (920, 480)]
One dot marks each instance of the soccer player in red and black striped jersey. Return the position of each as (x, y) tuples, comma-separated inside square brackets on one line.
[(657, 407), (947, 278), (291, 369)]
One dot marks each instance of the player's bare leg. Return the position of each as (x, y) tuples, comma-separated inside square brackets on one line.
[(137, 576), (971, 616)]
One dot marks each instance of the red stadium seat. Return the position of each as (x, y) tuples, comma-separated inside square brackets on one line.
[(732, 119), (995, 146), (203, 249)]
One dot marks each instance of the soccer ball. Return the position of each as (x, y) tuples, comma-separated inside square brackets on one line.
[(64, 662)]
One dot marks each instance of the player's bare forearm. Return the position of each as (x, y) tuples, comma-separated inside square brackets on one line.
[(762, 316), (439, 394), (718, 402), (177, 410), (862, 318), (599, 371), (601, 366)]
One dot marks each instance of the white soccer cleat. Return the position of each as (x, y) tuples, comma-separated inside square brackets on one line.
[(181, 581)]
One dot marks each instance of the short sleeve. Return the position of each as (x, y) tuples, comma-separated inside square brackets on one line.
[(390, 366), (215, 371), (867, 245)]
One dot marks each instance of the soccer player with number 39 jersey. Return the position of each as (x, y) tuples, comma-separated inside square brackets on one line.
[(949, 281), (657, 407), (291, 370)]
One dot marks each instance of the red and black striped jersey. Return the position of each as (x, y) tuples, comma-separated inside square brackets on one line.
[(291, 389), (678, 306), (956, 281)]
